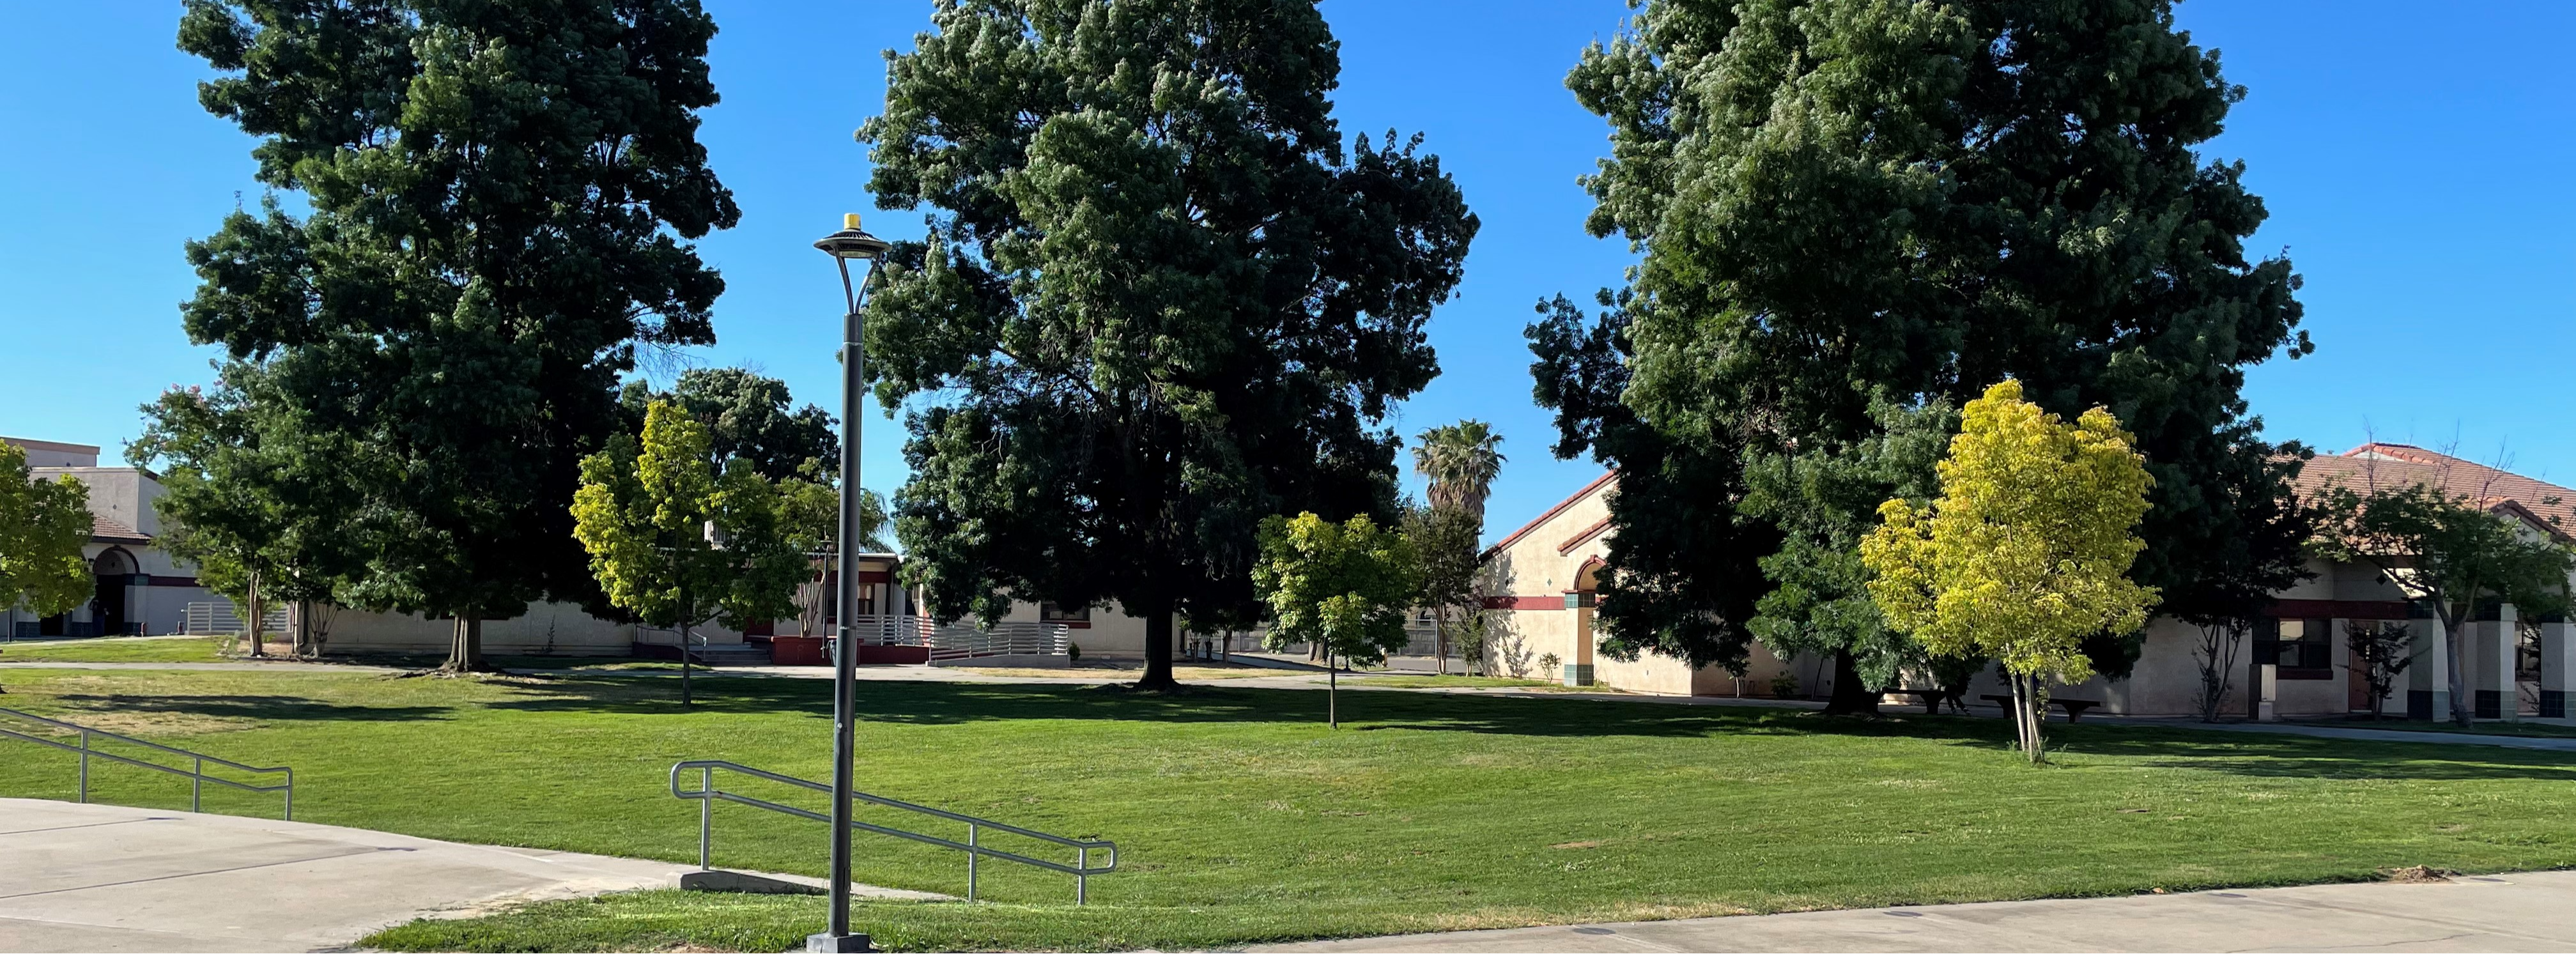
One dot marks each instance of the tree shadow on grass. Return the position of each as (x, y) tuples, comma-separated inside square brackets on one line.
[(284, 708), (952, 703)]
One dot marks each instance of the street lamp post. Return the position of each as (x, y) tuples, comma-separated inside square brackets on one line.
[(847, 244)]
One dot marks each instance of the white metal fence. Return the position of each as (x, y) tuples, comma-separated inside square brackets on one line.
[(224, 619), (963, 640)]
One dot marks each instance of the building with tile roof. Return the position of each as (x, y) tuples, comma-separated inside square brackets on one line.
[(1545, 573)]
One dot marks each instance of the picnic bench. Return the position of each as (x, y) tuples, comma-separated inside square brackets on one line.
[(1932, 698), (2075, 708)]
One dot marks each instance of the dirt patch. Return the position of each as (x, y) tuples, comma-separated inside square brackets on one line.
[(159, 724), (2418, 874), (1577, 844)]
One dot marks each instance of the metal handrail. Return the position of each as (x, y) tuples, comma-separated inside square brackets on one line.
[(707, 794), (197, 777)]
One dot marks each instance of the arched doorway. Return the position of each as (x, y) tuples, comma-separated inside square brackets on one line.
[(114, 570), (1581, 600)]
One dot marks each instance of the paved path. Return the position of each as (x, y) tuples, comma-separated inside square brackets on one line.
[(110, 878), (2522, 912)]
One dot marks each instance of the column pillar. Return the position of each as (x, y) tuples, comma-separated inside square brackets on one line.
[(1578, 660), (2557, 663), (2492, 667), (2428, 678)]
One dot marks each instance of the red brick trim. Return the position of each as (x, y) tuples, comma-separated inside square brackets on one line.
[(1525, 602)]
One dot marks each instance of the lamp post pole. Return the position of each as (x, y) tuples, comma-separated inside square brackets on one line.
[(844, 245)]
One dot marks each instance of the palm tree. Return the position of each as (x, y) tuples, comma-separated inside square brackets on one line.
[(1460, 462)]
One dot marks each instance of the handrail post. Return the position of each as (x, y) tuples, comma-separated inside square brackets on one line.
[(84, 782), (706, 812), (1082, 879), (197, 786), (971, 854)]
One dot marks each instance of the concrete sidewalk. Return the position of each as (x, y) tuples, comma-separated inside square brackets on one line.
[(110, 878), (2523, 912)]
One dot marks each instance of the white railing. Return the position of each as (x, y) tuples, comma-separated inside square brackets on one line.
[(1004, 639), (223, 619), (964, 640)]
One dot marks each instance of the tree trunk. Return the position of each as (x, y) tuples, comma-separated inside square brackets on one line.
[(1440, 639), (258, 618), (2463, 707), (1851, 696), (465, 653), (1158, 649), (1332, 695)]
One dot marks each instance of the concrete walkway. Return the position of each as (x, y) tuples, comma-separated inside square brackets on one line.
[(2522, 912), (110, 878)]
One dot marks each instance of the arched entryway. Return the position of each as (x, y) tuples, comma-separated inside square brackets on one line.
[(115, 571), (1581, 600)]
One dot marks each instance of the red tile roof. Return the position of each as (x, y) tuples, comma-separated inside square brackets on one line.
[(2546, 505), (104, 530)]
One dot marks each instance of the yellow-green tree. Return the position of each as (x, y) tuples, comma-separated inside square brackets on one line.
[(2026, 552), (677, 542)]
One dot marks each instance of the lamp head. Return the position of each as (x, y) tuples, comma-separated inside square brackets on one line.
[(852, 242)]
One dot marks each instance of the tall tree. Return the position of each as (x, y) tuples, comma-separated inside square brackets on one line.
[(498, 196), (1840, 203), (1445, 540), (43, 526), (2454, 551), (748, 415), (2026, 551), (1345, 587), (678, 541), (1459, 461), (1163, 297)]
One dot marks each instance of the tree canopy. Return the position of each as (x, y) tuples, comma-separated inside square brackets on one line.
[(1844, 207), (748, 415), (1459, 461), (260, 504), (498, 196), (1162, 298)]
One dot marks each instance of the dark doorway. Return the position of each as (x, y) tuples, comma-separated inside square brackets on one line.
[(107, 604)]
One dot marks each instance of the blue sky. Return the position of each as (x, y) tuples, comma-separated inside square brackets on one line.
[(2416, 159)]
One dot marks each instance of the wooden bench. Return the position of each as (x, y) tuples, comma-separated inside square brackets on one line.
[(2075, 708), (1931, 698)]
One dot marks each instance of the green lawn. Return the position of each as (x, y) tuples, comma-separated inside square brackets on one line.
[(1243, 819), (115, 649)]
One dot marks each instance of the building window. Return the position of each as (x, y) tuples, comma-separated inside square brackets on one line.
[(1051, 613), (2302, 648)]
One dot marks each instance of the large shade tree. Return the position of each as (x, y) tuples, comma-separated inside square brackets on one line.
[(496, 201), (1163, 297), (1844, 206)]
